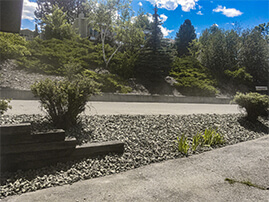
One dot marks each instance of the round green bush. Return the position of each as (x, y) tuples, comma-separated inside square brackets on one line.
[(255, 104)]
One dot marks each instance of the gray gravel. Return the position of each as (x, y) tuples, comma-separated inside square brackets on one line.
[(148, 139)]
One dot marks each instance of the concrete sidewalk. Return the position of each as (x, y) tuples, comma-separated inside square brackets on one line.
[(196, 178)]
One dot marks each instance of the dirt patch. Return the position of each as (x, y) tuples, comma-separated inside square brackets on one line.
[(12, 77)]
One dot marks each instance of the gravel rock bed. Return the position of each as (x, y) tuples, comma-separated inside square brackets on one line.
[(148, 139)]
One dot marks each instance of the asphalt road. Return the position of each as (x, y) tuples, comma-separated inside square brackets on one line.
[(133, 108)]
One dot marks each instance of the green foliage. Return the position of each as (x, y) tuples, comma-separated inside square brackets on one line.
[(213, 53), (254, 55), (50, 56), (196, 141), (154, 60), (72, 8), (211, 137), (192, 78), (112, 20), (108, 82), (56, 25), (154, 40), (12, 46), (123, 63), (255, 104), (4, 106), (64, 100), (185, 35), (229, 52), (183, 144), (239, 76)]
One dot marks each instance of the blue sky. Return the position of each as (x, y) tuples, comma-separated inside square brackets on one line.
[(202, 13)]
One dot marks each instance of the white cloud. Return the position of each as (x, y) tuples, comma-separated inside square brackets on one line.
[(186, 5), (165, 31), (199, 13), (215, 25), (229, 12), (150, 17), (28, 10), (140, 4), (163, 18), (200, 7)]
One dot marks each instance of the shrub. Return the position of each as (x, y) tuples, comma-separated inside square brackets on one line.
[(108, 82), (239, 76), (51, 56), (192, 78), (255, 104), (183, 145), (64, 100), (12, 46), (4, 106)]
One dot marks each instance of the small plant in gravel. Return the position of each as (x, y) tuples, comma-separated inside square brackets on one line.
[(4, 106), (255, 104), (183, 144), (211, 137), (64, 100), (196, 141)]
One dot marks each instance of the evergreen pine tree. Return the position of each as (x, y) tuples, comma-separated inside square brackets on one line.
[(154, 61), (185, 35)]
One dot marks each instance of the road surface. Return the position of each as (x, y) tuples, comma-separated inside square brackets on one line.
[(133, 108)]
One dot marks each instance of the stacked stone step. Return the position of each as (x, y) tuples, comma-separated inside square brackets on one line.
[(22, 150)]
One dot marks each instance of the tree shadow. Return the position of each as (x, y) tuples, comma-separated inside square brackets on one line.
[(256, 126)]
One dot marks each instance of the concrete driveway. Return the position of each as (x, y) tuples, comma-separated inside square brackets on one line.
[(133, 108)]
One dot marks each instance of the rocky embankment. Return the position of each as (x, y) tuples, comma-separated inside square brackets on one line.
[(11, 77)]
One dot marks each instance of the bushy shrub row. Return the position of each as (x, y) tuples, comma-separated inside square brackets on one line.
[(108, 82), (51, 56), (12, 46), (192, 78)]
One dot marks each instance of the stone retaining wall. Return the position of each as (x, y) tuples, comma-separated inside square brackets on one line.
[(112, 97)]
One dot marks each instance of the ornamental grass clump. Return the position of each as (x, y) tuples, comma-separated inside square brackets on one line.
[(211, 137), (196, 141), (64, 100), (183, 144), (255, 104)]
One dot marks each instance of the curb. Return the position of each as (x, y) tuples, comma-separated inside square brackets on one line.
[(113, 97)]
